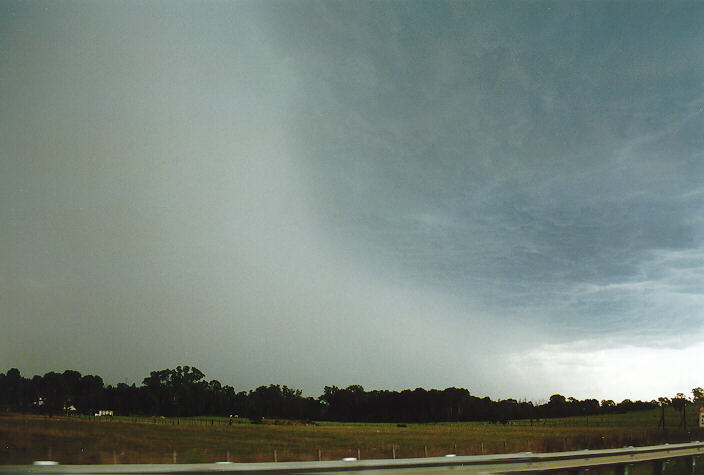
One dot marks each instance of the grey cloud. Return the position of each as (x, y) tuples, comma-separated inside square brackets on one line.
[(513, 185), (292, 192)]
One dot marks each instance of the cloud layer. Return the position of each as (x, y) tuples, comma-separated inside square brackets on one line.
[(395, 195)]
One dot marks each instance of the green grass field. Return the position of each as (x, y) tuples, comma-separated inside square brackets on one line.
[(82, 440)]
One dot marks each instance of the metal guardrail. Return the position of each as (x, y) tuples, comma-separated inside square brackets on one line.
[(497, 463)]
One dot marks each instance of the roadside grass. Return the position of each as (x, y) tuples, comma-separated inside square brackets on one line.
[(84, 440)]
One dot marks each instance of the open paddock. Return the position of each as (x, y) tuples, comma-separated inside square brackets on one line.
[(87, 440)]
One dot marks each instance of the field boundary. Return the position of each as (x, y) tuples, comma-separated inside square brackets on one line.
[(498, 463)]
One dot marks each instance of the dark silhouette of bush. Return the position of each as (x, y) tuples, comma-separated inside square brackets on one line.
[(184, 391)]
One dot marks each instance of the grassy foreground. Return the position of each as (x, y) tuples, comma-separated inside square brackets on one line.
[(74, 440)]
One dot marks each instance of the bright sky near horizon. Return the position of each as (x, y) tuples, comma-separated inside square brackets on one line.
[(502, 196)]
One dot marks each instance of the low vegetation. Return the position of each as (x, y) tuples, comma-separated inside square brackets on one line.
[(178, 416), (85, 440), (184, 392)]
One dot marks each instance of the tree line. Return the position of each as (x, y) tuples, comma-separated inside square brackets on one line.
[(184, 391)]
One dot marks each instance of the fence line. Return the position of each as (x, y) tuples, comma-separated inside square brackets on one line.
[(503, 463)]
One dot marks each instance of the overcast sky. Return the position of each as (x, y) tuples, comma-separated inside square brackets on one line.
[(502, 196)]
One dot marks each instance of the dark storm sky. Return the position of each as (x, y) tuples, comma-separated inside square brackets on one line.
[(504, 196)]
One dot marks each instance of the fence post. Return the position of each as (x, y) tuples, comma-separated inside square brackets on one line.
[(275, 456), (658, 467), (621, 469), (393, 452), (319, 456)]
